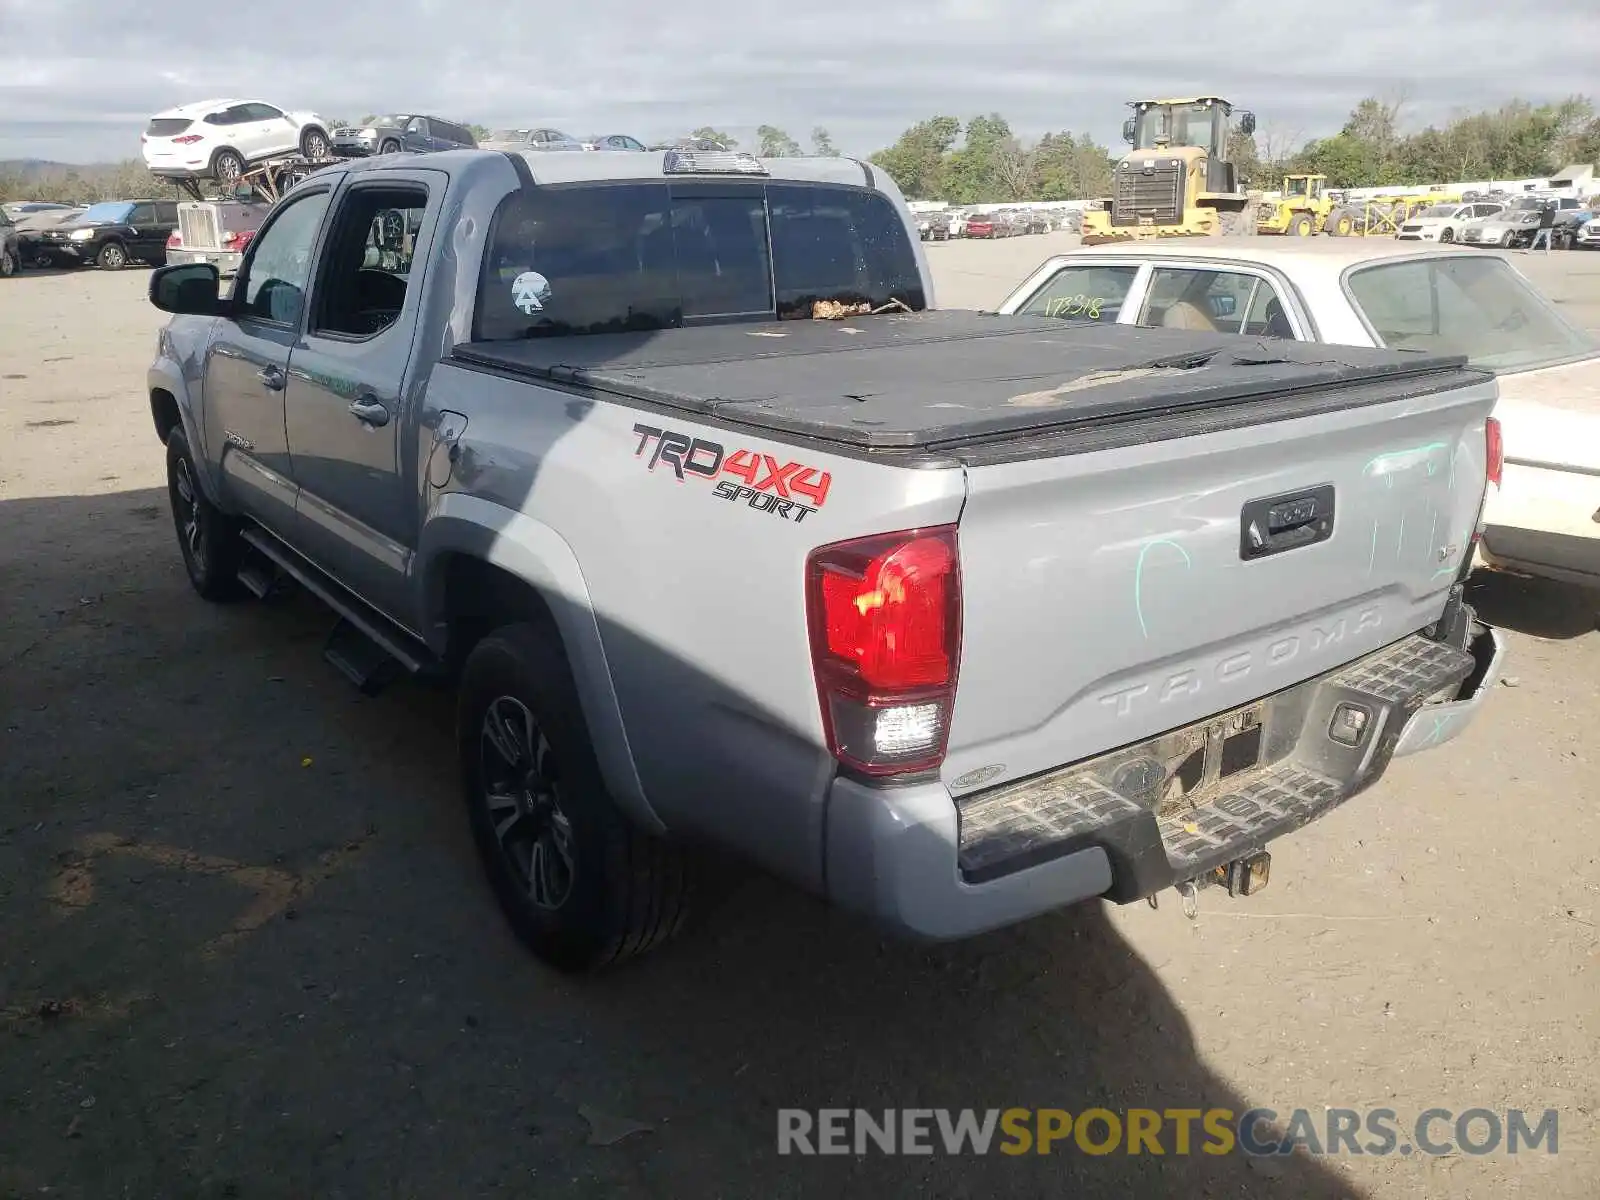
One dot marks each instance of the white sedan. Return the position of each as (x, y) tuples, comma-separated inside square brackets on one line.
[(1544, 518), (1444, 222)]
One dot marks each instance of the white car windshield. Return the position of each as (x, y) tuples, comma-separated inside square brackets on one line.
[(1439, 210), (1477, 306)]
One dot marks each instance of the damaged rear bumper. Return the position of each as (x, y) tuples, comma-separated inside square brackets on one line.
[(1127, 825)]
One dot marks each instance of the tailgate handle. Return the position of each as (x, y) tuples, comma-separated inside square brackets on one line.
[(1275, 524)]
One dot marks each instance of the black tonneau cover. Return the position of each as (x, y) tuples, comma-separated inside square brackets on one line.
[(929, 379)]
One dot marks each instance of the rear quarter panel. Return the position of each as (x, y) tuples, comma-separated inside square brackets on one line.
[(698, 597)]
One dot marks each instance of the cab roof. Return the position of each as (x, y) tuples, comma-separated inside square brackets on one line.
[(600, 166)]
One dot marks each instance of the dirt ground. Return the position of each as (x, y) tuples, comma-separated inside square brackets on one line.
[(247, 950)]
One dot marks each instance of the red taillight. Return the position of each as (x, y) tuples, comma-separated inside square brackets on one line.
[(885, 617), (237, 240), (188, 139), (1496, 450), (174, 240)]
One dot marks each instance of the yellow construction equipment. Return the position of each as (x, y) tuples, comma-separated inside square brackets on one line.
[(1382, 216), (1177, 181), (1300, 210)]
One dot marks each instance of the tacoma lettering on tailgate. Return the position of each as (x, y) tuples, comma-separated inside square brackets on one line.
[(790, 490), (1238, 663)]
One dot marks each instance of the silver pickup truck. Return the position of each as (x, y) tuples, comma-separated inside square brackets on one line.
[(728, 536)]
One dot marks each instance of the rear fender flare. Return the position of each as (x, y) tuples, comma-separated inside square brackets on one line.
[(539, 556)]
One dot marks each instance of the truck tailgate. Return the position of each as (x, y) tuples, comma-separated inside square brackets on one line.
[(1114, 593)]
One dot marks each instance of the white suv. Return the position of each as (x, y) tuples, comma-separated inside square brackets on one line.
[(218, 139)]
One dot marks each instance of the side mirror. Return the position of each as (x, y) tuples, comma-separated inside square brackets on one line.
[(1224, 306), (187, 289), (1127, 131), (1247, 123)]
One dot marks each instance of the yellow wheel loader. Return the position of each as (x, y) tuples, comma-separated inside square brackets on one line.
[(1300, 209), (1178, 180)]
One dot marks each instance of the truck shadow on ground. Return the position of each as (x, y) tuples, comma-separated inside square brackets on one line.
[(384, 1034), (1539, 607)]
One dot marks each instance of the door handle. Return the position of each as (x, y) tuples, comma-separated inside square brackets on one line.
[(272, 378), (369, 411)]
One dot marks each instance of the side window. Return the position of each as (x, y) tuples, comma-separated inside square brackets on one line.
[(1086, 293), (142, 214), (239, 114), (280, 262), (264, 112), (1215, 302), (417, 126), (225, 117), (167, 212), (366, 266)]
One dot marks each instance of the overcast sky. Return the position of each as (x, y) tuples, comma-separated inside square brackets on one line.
[(78, 78)]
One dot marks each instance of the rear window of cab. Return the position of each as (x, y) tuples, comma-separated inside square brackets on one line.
[(577, 259)]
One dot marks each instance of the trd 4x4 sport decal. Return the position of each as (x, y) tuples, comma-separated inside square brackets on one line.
[(789, 490)]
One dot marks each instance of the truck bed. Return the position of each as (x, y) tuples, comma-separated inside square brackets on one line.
[(935, 379)]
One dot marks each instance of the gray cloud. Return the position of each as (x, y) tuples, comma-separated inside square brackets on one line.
[(78, 78)]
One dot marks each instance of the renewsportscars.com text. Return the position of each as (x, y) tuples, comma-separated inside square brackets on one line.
[(1169, 1131)]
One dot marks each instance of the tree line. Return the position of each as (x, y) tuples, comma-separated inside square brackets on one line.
[(983, 160)]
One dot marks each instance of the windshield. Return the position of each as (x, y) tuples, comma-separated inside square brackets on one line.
[(391, 119), (1476, 306), (611, 258), (510, 135), (109, 211), (1175, 125), (1297, 187), (1440, 210)]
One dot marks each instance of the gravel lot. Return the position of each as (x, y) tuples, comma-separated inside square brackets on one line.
[(247, 950)]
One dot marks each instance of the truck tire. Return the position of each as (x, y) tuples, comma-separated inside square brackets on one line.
[(390, 146), (113, 256), (8, 264), (226, 166), (582, 887), (207, 537), (1301, 226)]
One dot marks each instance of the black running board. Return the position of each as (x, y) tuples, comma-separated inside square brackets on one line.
[(357, 618)]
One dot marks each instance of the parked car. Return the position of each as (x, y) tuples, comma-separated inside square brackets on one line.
[(17, 209), (1541, 515), (112, 234), (10, 247), (30, 231), (1568, 222), (401, 132), (954, 636), (614, 141), (1444, 222), (531, 140), (216, 232), (984, 225), (218, 139), (1587, 236), (1515, 226)]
